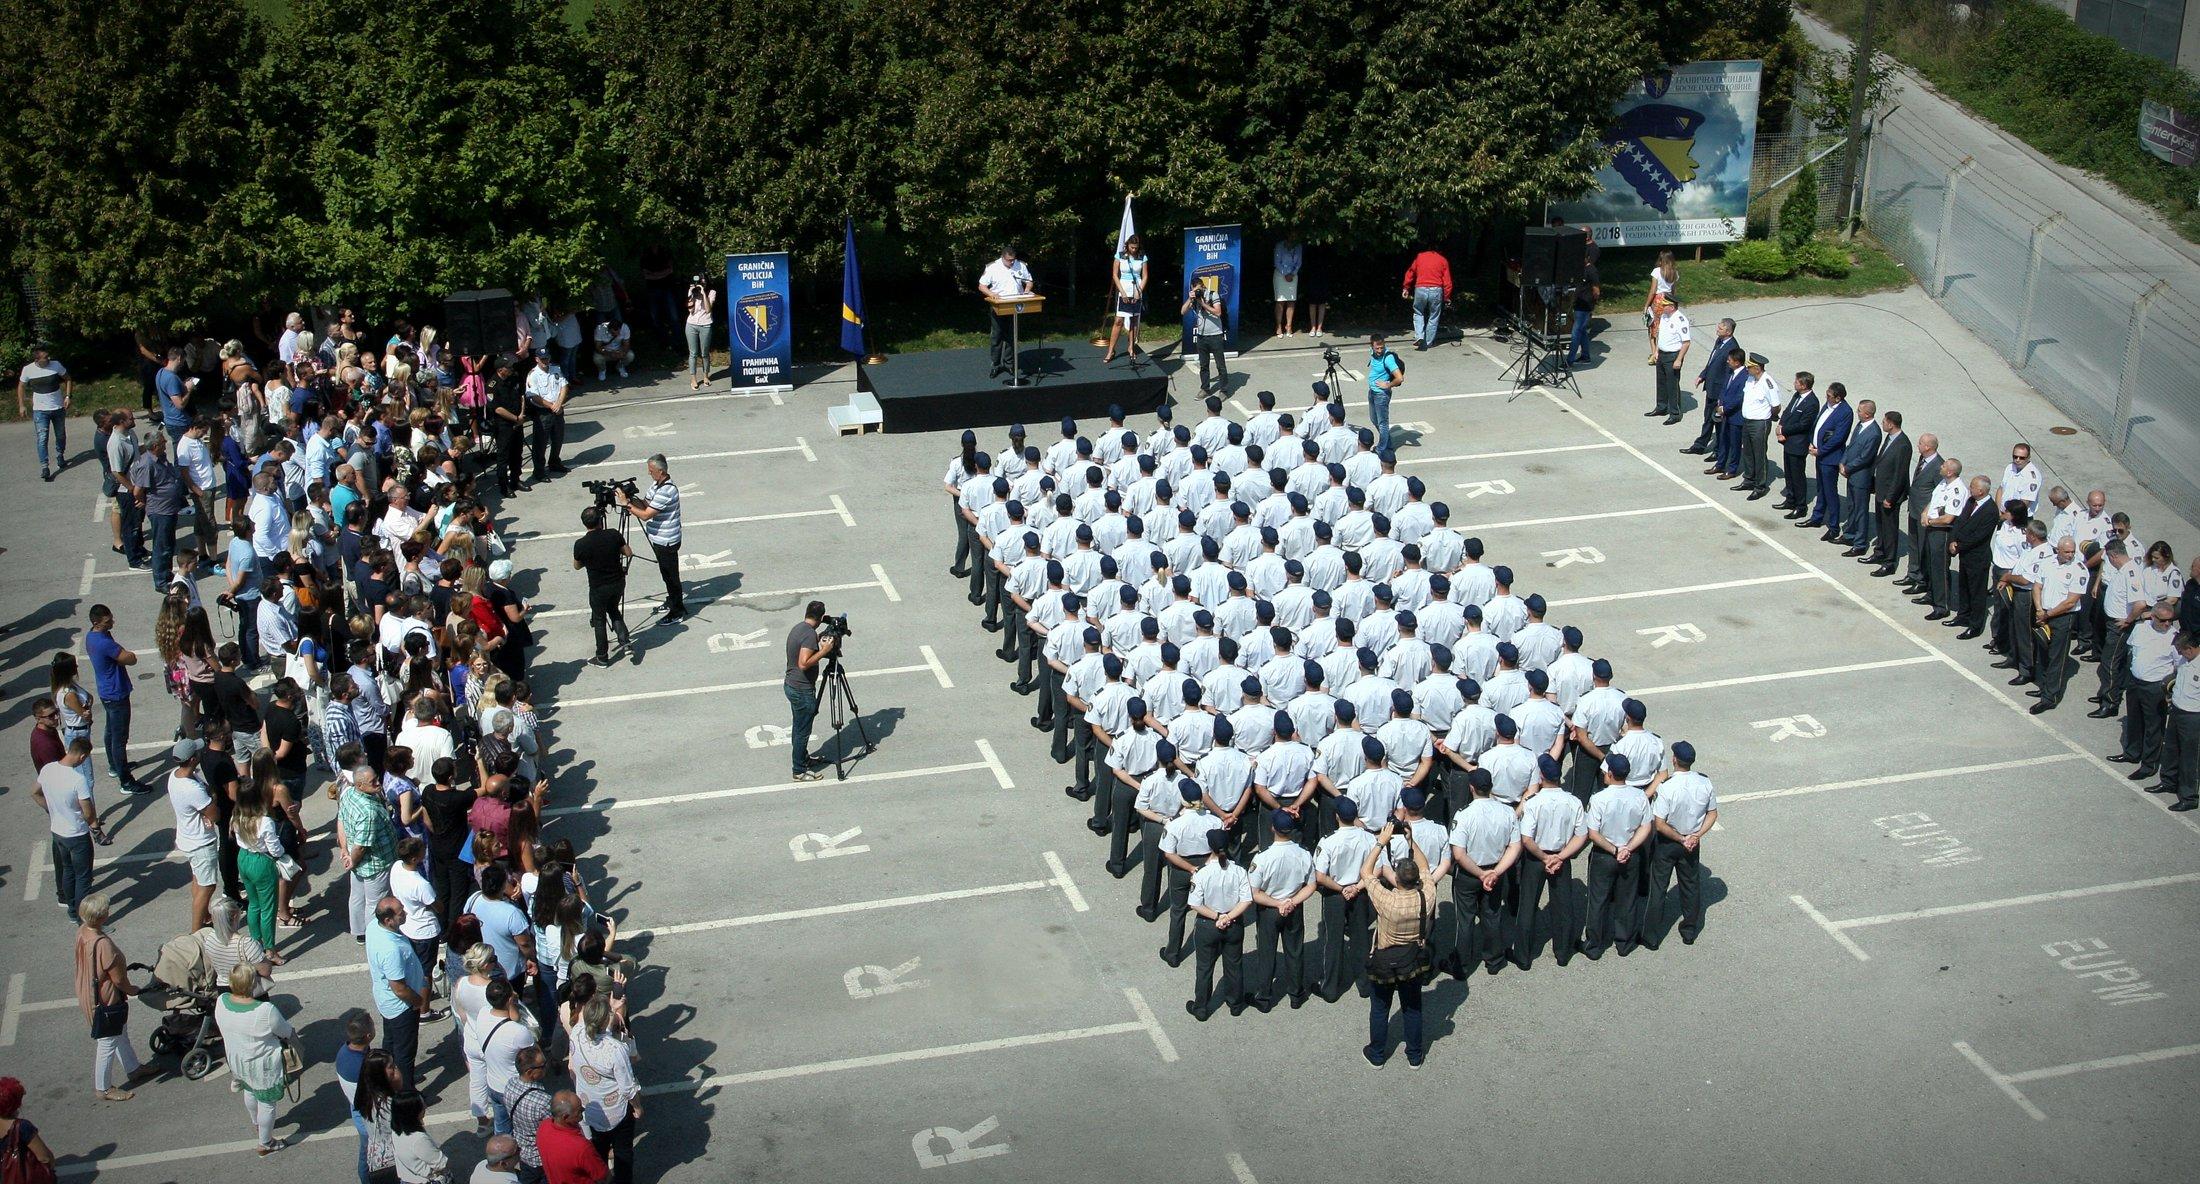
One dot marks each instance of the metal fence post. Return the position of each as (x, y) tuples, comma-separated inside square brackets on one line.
[(1947, 220), (2032, 287), (2129, 378)]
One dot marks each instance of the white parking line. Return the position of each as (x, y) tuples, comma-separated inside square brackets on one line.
[(2008, 1082), (800, 445), (938, 671), (1239, 1170), (1782, 676), (700, 397), (1448, 398), (2001, 1080), (12, 1009), (1647, 593), (1832, 930), (880, 583), (930, 665), (1838, 930), (838, 510), (991, 762), (1972, 676), (84, 586), (1897, 778), (1161, 1042), (1438, 460), (1583, 517), (1067, 885)]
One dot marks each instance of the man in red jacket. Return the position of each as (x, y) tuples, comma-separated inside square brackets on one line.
[(1428, 286), (567, 1155)]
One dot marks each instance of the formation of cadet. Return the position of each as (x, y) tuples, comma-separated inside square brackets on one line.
[(1256, 643)]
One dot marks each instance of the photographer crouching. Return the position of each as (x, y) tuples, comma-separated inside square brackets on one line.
[(806, 651), (659, 512), (603, 555)]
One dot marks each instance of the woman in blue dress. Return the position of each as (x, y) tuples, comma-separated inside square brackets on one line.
[(1129, 288)]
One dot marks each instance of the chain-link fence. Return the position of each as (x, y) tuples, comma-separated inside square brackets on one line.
[(2105, 339), (1780, 158)]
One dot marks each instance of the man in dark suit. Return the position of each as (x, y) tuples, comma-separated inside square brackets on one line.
[(1711, 380), (1726, 457), (1890, 491), (1921, 482), (1797, 418), (1855, 525), (1829, 444), (1967, 539)]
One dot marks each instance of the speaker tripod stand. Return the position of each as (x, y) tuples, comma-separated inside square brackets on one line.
[(1537, 361)]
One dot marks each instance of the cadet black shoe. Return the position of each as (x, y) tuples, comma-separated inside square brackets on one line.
[(1298, 1001), (2042, 708), (1264, 1006), (1172, 959), (1938, 614), (1195, 1012), (1970, 633), (1493, 967), (2122, 759), (1238, 1006), (1761, 493), (1146, 914), (1082, 795), (990, 627), (960, 573), (1043, 725), (1688, 939), (1119, 870), (2158, 787), (599, 660), (1023, 688), (2101, 713), (2140, 774), (1095, 825), (2180, 807)]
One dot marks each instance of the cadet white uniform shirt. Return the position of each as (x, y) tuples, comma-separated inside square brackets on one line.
[(1220, 887), (1552, 819), (1340, 854), (1282, 869), (1684, 800), (1483, 830), (1511, 769)]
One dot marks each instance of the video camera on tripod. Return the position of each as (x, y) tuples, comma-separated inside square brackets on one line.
[(836, 630), (607, 492)]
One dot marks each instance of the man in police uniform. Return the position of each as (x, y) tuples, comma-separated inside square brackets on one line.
[(508, 416), (1485, 844), (1283, 881), (1346, 913), (2056, 601), (2150, 650), (660, 514), (2181, 736), (1553, 829), (1685, 810), (1619, 825)]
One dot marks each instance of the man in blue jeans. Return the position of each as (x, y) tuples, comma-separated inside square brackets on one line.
[(111, 676), (159, 488), (1384, 372), (804, 652), (44, 390)]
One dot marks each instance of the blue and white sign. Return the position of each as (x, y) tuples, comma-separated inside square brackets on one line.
[(1211, 260), (761, 336)]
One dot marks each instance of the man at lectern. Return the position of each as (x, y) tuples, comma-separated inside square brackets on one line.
[(1003, 278)]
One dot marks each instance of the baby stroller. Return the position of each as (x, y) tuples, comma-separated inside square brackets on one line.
[(181, 987)]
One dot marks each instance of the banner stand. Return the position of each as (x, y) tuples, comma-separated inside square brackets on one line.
[(759, 335), (1212, 258)]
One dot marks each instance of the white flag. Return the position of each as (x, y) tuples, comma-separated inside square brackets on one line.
[(1124, 232)]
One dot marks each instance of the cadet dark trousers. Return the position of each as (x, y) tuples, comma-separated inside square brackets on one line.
[(2115, 665), (1479, 916), (2055, 657), (2143, 728), (1585, 775), (1795, 494), (989, 590), (963, 536), (2181, 753), (1106, 787), (1612, 889), (1211, 941), (1050, 696), (1122, 822), (1279, 954), (1066, 718), (1669, 385), (1670, 860), (1149, 864), (548, 439), (1180, 903), (1565, 928), (1089, 754), (1344, 936), (981, 569), (2024, 643)]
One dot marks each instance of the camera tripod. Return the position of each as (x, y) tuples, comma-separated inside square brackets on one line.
[(843, 707)]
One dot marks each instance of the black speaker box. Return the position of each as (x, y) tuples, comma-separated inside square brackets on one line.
[(477, 323)]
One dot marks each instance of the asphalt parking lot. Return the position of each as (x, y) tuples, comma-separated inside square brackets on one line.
[(1944, 936)]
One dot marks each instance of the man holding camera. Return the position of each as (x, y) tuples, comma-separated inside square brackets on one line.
[(660, 515), (805, 650), (1204, 306), (603, 555)]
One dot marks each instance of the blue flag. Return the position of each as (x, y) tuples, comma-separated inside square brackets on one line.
[(851, 297)]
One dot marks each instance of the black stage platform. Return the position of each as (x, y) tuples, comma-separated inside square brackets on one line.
[(942, 389)]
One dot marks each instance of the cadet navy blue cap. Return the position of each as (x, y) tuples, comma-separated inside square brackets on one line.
[(1371, 748), (1617, 765), (1406, 619), (1401, 699), (1054, 571), (1181, 585), (1240, 510), (1145, 462), (1162, 490), (1170, 652), (1180, 433), (1222, 482), (1130, 439), (1164, 413), (1441, 511), (1600, 668), (1203, 619), (1148, 627), (1322, 530), (1313, 671), (1635, 710), (1502, 574), (1186, 519), (1108, 568), (1440, 654), (1084, 446), (1217, 838), (1016, 431), (1387, 456), (1384, 594), (1136, 707), (1187, 789), (1092, 636), (1250, 684), (1224, 730), (1474, 547), (969, 437), (1507, 652), (1297, 502), (1413, 797), (1439, 583), (1115, 412), (1015, 508), (1382, 523), (1470, 689), (1547, 765), (1415, 487), (1069, 426), (1084, 533), (1411, 552), (1164, 751), (1031, 453), (1192, 694), (1321, 390), (1571, 636), (1506, 727), (1112, 500), (1284, 726), (1031, 542), (1480, 779), (1111, 666), (1000, 487), (1282, 821), (1268, 536), (1071, 602), (1209, 547), (1538, 681), (1345, 711), (1199, 451), (1126, 594), (1322, 599), (1236, 580), (1366, 657), (1355, 495), (1293, 568), (1347, 810), (1310, 448), (1535, 603), (1472, 612), (1336, 471), (1684, 752)]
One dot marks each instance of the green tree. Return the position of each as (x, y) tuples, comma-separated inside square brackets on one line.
[(128, 153), (1799, 212), (444, 148)]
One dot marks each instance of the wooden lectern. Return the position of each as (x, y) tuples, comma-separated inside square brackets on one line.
[(1014, 308)]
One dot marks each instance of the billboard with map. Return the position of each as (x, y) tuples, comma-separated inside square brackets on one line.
[(1681, 141)]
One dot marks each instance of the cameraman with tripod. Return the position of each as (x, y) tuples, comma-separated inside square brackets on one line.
[(659, 513), (604, 556), (805, 651)]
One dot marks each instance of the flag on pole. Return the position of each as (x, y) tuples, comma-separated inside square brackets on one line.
[(1124, 232), (851, 297)]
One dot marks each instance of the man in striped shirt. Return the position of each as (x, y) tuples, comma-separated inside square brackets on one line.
[(660, 515)]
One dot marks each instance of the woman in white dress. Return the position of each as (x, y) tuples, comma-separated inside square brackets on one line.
[(1130, 275)]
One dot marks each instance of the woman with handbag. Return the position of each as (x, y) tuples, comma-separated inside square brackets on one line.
[(1404, 900), (603, 1076), (255, 1038), (103, 992), (23, 1154)]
